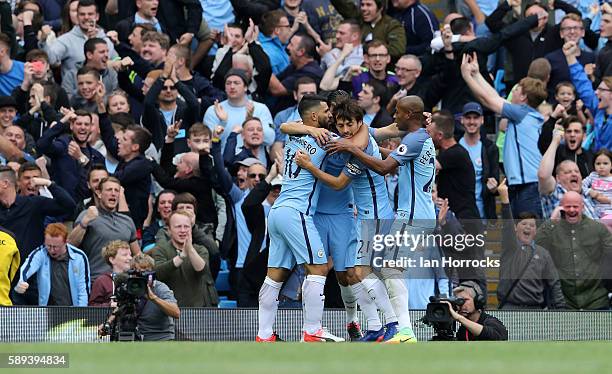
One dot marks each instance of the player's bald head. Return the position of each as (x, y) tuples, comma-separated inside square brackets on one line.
[(412, 104)]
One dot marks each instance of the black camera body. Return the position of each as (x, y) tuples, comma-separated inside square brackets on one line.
[(130, 288), (439, 317)]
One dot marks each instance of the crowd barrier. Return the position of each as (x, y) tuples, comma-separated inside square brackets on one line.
[(78, 325)]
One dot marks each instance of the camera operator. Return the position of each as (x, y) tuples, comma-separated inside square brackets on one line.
[(157, 310), (475, 323)]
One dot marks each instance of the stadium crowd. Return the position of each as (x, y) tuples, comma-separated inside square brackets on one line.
[(167, 130)]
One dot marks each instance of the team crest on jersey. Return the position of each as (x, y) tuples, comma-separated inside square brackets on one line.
[(402, 149), (320, 253)]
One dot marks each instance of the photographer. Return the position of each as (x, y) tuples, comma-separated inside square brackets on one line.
[(154, 312), (475, 323)]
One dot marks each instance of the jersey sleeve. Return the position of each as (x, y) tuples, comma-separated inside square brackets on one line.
[(513, 112), (409, 149)]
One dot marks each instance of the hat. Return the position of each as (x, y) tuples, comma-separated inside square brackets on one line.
[(248, 162), (7, 101), (239, 73), (469, 286), (277, 181), (472, 107)]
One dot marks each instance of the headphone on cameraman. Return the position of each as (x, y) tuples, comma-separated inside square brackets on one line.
[(479, 299)]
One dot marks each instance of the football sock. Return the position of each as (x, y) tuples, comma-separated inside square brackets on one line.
[(268, 305), (313, 299), (350, 303), (377, 292), (367, 307), (398, 294)]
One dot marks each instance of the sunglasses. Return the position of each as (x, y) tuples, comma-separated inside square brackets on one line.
[(169, 88), (253, 176)]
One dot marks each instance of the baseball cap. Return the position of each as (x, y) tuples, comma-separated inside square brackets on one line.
[(7, 101), (248, 162), (472, 107), (239, 73), (277, 181), (468, 286)]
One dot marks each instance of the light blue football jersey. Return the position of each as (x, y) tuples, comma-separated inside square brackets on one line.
[(417, 158), (301, 189), (369, 188), (335, 201)]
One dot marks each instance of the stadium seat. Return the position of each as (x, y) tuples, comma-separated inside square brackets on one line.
[(222, 282), (228, 304), (499, 84)]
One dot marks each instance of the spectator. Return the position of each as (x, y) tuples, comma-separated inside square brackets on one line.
[(301, 50), (237, 108), (538, 42), (134, 170), (521, 155), (13, 144), (528, 277), (151, 56), (456, 182), (11, 71), (41, 113), (117, 254), (275, 32), (573, 137), (202, 88), (95, 227), (323, 17), (88, 80), (25, 215), (598, 101), (146, 12), (604, 57), (577, 245), (303, 86), (348, 33), (251, 132), (300, 19), (419, 23), (67, 50), (571, 30), (183, 265), (598, 183), (62, 270), (71, 155), (566, 178), (96, 173), (485, 159), (26, 173), (251, 57), (96, 57), (370, 99), (375, 24), (163, 108), (37, 70), (193, 173), (456, 177), (377, 59), (236, 238), (255, 209), (162, 209), (9, 265)]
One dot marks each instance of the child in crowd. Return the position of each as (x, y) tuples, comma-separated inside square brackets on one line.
[(599, 183)]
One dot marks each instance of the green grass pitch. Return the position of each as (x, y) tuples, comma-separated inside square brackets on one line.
[(294, 358)]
